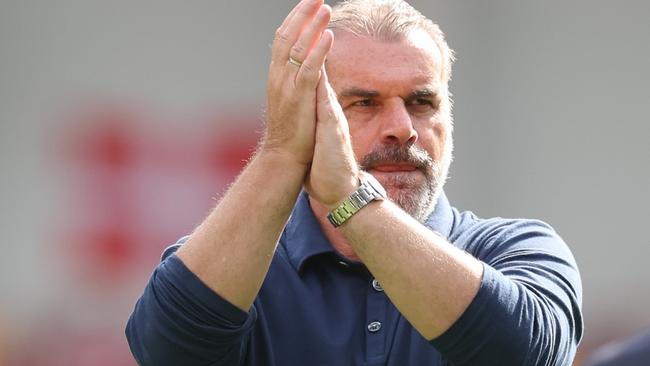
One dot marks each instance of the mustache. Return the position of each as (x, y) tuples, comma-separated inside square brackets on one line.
[(409, 154)]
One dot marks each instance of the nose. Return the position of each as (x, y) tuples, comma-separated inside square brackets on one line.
[(397, 125)]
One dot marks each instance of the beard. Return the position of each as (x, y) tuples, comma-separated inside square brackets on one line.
[(415, 197)]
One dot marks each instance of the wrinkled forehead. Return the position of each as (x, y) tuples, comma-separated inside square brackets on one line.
[(414, 59)]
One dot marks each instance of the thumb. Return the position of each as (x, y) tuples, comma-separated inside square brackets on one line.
[(323, 103), (328, 108)]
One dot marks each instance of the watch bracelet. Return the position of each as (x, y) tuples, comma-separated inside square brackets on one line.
[(357, 200)]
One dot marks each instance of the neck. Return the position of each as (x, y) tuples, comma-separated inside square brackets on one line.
[(335, 237)]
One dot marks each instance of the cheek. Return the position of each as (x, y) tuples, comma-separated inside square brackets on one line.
[(434, 139)]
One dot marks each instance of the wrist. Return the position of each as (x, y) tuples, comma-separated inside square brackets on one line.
[(345, 188), (282, 159), (367, 190)]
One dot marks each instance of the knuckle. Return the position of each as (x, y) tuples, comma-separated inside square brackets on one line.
[(298, 49), (306, 81), (326, 109), (281, 36), (309, 70)]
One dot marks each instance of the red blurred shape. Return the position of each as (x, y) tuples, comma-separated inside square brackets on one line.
[(111, 146), (125, 169), (103, 135), (111, 249), (231, 150)]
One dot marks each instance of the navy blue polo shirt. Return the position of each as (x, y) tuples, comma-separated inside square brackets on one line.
[(317, 308)]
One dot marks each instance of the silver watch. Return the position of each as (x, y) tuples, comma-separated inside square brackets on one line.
[(369, 190)]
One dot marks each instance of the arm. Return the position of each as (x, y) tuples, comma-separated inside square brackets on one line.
[(519, 306), (194, 307), (401, 253), (226, 252), (229, 253), (406, 257)]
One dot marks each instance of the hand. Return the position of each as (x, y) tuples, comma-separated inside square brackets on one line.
[(291, 88), (334, 171)]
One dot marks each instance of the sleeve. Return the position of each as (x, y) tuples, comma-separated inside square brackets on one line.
[(178, 320), (528, 308)]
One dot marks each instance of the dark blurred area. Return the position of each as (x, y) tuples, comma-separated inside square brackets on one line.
[(123, 122)]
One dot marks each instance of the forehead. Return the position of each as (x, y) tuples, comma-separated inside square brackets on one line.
[(412, 62)]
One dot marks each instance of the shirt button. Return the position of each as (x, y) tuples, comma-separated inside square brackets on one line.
[(374, 327), (344, 264), (377, 286)]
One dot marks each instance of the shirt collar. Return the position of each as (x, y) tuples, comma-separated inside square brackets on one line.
[(442, 219), (303, 237)]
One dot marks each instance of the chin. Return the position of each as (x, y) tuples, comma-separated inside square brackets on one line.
[(414, 191), (419, 202)]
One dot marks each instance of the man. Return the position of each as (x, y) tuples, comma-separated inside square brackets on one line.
[(632, 351), (340, 274)]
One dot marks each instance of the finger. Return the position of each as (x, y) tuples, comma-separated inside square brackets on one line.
[(327, 103), (322, 94), (287, 36), (333, 133), (309, 73), (310, 35), (287, 20), (329, 111), (333, 98)]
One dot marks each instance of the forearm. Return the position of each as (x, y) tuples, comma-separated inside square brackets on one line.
[(232, 249), (513, 323), (429, 280), (197, 306), (518, 305)]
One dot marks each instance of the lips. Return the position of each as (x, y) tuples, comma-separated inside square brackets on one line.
[(394, 168)]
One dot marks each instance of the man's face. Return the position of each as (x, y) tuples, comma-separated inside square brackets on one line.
[(396, 101)]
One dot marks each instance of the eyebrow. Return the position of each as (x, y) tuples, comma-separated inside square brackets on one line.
[(422, 93), (358, 92), (365, 93)]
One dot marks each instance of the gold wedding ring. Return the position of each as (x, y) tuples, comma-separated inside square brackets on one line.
[(295, 62)]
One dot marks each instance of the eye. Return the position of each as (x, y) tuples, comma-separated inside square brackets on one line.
[(421, 106), (420, 102), (368, 102)]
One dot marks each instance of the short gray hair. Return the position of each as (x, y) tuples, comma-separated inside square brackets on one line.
[(388, 20)]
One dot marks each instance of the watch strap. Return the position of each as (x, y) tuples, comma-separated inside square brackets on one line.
[(369, 190)]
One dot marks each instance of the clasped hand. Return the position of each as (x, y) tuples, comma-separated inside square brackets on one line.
[(305, 123)]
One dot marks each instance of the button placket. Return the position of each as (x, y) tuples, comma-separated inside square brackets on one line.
[(374, 327), (377, 286), (376, 312), (343, 264)]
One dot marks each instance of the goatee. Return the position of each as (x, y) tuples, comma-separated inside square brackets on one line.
[(416, 198)]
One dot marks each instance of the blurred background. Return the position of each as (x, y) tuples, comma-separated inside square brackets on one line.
[(121, 123)]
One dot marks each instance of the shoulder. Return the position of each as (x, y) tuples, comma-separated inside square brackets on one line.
[(492, 239)]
